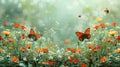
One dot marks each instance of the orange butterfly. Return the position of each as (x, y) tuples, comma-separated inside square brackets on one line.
[(106, 11), (33, 35), (85, 35)]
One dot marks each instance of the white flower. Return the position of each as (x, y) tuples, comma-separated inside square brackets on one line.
[(62, 66), (59, 56), (50, 57), (58, 51), (43, 39), (68, 57), (34, 58), (25, 59), (117, 58), (21, 64)]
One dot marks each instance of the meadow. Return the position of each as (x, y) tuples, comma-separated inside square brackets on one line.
[(44, 34)]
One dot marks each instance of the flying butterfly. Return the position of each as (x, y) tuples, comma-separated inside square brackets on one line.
[(33, 35), (85, 35), (106, 11), (79, 16)]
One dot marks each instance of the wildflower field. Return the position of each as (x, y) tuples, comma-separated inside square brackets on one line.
[(42, 33)]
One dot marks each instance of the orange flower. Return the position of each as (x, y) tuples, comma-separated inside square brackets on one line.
[(23, 49), (70, 60), (45, 50), (7, 33), (67, 41), (40, 50), (114, 23), (71, 49), (1, 50), (10, 40), (118, 38), (50, 62), (15, 59), (96, 48), (43, 63), (90, 46), (22, 36), (5, 23), (103, 25), (51, 45), (1, 38), (108, 40), (29, 46), (16, 25), (23, 27), (96, 27), (103, 59), (76, 61), (78, 50), (118, 50), (112, 33), (83, 65), (99, 20)]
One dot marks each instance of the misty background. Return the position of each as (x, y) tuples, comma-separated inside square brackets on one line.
[(58, 19)]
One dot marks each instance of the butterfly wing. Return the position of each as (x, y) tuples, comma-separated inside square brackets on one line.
[(32, 32), (106, 11), (37, 35), (87, 33), (84, 35), (80, 36), (88, 36)]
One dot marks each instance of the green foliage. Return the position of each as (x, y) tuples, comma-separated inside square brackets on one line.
[(58, 21)]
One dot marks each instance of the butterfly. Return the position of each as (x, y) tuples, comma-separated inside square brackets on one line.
[(79, 16), (33, 35), (106, 11), (85, 35)]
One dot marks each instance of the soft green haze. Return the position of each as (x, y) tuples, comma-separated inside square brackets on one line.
[(58, 18)]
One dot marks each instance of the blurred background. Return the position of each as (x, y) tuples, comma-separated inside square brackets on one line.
[(59, 19)]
